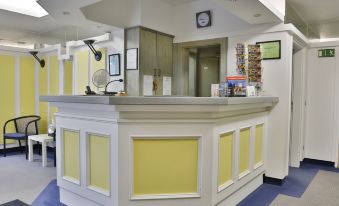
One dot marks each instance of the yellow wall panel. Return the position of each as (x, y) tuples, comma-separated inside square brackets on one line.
[(244, 150), (54, 75), (165, 166), (97, 65), (99, 156), (7, 91), (82, 71), (225, 158), (259, 140), (43, 90), (68, 77), (27, 86), (71, 151), (53, 83)]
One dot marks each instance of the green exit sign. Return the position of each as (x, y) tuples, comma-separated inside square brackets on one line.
[(326, 53)]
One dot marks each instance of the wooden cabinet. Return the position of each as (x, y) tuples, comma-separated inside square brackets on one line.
[(155, 57)]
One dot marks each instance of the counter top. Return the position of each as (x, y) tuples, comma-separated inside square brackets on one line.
[(158, 100)]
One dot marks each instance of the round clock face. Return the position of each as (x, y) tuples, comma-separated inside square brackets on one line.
[(203, 19)]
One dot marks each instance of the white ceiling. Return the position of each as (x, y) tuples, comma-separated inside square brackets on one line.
[(51, 29), (321, 15), (177, 2)]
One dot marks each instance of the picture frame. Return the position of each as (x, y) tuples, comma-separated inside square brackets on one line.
[(132, 59), (114, 65), (270, 50)]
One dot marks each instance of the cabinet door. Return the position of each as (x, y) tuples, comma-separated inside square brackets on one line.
[(165, 54), (147, 51)]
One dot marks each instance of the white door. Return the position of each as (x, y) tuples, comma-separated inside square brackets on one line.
[(319, 133), (298, 107)]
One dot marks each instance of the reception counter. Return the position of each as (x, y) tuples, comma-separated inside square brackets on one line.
[(159, 151)]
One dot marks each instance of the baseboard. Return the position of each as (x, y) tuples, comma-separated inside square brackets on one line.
[(318, 162), (274, 181)]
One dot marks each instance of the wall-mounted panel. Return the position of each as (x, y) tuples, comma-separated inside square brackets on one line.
[(165, 166), (27, 85), (68, 77), (43, 90), (225, 159), (71, 155), (81, 71), (259, 141), (7, 85), (99, 162), (244, 150)]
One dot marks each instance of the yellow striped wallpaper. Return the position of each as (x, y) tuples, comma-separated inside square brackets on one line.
[(82, 71), (53, 84), (7, 101), (99, 164), (71, 142), (244, 150), (225, 158), (68, 77), (27, 85), (161, 166), (259, 140), (43, 90)]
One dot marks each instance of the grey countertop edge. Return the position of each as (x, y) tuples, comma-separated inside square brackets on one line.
[(163, 100)]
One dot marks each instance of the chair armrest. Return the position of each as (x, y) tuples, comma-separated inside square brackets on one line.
[(8, 121), (33, 121)]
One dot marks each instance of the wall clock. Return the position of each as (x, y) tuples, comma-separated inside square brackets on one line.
[(204, 19)]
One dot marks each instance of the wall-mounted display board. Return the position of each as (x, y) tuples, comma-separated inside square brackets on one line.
[(254, 65), (241, 66), (270, 49)]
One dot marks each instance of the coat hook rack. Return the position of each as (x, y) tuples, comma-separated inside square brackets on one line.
[(97, 54), (41, 61)]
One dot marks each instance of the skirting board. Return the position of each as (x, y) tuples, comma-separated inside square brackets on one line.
[(69, 198), (274, 181), (243, 192)]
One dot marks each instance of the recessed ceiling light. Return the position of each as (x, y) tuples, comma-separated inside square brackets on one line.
[(257, 15), (27, 7), (66, 13)]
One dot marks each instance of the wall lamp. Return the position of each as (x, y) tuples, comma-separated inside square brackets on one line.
[(41, 62), (112, 93), (97, 54)]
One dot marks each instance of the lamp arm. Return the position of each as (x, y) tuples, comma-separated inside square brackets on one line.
[(117, 80)]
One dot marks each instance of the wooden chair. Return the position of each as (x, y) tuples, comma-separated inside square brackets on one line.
[(24, 126)]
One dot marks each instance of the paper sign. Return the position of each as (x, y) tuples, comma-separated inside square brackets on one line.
[(148, 85), (167, 86)]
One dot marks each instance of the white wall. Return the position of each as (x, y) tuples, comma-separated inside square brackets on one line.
[(223, 23), (158, 15), (322, 113), (277, 81)]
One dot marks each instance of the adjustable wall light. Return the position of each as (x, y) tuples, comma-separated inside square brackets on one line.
[(42, 62), (97, 54)]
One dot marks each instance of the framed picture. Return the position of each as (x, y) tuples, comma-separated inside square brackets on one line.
[(132, 59), (114, 64), (270, 49)]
